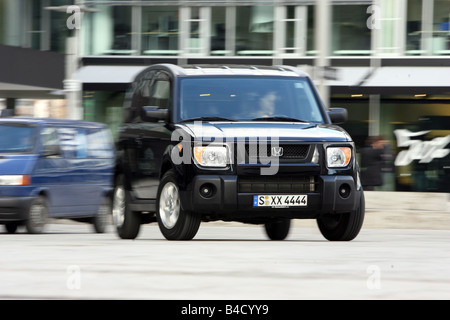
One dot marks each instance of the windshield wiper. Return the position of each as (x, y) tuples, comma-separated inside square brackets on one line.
[(279, 118), (207, 119)]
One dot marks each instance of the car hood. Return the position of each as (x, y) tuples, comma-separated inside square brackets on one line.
[(16, 164), (291, 131)]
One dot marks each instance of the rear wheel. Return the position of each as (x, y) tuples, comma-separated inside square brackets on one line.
[(278, 230), (37, 216), (174, 222), (343, 227), (101, 219), (127, 222)]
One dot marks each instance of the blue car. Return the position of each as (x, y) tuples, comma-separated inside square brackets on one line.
[(53, 168)]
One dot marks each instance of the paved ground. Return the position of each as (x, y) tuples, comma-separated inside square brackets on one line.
[(225, 261)]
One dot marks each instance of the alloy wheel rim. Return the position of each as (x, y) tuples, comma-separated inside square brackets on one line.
[(169, 205)]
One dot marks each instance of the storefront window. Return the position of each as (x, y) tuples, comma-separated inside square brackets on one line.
[(254, 30), (350, 34), (420, 138), (160, 30), (106, 107), (414, 137)]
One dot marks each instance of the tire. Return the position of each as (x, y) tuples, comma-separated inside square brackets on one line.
[(11, 227), (37, 216), (343, 227), (127, 222), (101, 219), (174, 222), (278, 230)]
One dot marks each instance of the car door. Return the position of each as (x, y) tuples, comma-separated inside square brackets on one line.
[(150, 139), (51, 170)]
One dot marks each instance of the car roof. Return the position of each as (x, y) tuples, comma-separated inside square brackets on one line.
[(231, 70), (52, 121)]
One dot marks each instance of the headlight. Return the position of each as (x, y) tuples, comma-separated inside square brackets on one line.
[(211, 156), (14, 180), (338, 157)]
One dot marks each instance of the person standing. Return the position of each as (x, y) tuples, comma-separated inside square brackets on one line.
[(372, 163)]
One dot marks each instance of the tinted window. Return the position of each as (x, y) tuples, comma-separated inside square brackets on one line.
[(246, 98), (161, 92), (16, 138)]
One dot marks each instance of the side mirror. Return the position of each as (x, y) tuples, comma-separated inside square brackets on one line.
[(337, 115), (52, 150), (154, 114)]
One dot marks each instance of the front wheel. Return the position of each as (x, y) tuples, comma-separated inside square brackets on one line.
[(37, 216), (278, 230), (127, 222), (174, 222), (343, 227)]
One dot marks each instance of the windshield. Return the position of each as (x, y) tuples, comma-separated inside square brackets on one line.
[(16, 138), (248, 98)]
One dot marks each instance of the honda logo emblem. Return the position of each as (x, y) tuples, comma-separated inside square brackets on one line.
[(277, 151)]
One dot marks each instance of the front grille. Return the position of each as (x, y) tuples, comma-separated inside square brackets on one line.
[(284, 151), (276, 184)]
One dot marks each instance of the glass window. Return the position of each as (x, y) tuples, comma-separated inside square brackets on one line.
[(20, 138), (218, 31), (161, 92), (35, 24), (160, 30), (254, 30), (99, 144), (441, 30), (106, 107), (58, 27), (231, 97), (414, 27), (350, 35), (291, 26), (49, 137), (108, 31), (310, 49), (73, 142)]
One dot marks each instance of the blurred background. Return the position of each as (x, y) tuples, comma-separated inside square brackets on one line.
[(386, 61)]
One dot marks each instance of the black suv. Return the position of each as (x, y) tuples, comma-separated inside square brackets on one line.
[(233, 143)]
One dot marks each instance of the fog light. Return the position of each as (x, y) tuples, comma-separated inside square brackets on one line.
[(207, 190), (344, 190)]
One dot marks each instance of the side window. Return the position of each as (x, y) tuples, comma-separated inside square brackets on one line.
[(73, 142), (137, 96), (143, 89), (161, 94), (99, 144), (49, 138)]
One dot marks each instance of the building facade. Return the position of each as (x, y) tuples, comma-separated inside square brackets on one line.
[(386, 61)]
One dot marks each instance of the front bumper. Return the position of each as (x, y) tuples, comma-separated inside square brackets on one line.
[(14, 208), (227, 200)]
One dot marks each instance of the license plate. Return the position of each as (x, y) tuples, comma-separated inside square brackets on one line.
[(280, 201)]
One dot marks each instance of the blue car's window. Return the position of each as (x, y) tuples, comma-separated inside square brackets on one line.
[(16, 138), (248, 98)]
